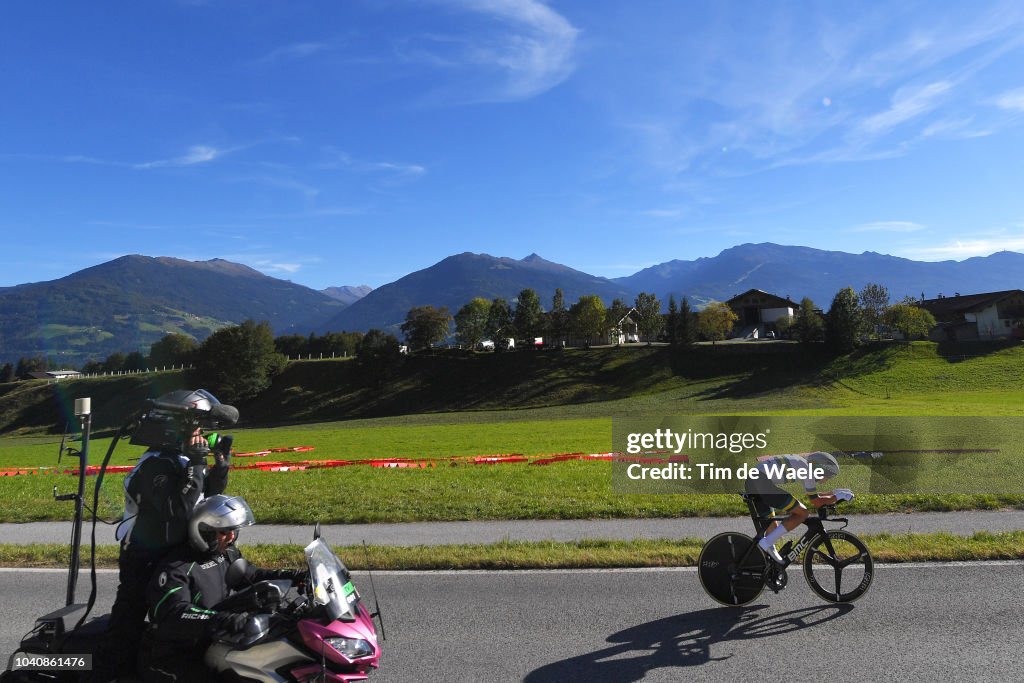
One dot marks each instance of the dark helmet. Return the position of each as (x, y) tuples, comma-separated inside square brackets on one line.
[(200, 405), (214, 514)]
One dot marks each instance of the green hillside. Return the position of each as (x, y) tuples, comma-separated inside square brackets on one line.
[(129, 303), (920, 378)]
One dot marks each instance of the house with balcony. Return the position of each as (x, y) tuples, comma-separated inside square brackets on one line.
[(989, 315), (758, 311)]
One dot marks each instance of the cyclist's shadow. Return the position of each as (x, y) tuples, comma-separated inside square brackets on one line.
[(679, 641)]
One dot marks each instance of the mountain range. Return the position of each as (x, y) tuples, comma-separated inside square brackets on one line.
[(130, 302), (455, 280), (799, 272), (347, 294)]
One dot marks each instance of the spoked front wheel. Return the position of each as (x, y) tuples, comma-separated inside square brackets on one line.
[(731, 571), (838, 566)]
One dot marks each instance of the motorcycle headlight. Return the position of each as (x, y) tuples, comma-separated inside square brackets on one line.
[(353, 648)]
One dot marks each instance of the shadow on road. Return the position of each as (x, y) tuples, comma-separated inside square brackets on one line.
[(679, 641)]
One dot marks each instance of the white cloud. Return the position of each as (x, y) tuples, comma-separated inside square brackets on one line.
[(530, 52), (956, 128), (256, 257), (888, 226), (396, 169), (1012, 100), (293, 51), (664, 213), (907, 103), (961, 249), (197, 154), (271, 267), (279, 182), (402, 169), (813, 89)]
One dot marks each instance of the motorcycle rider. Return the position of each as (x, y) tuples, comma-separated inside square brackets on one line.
[(189, 583), (160, 494)]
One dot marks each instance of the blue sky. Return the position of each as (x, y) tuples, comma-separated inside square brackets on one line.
[(335, 143)]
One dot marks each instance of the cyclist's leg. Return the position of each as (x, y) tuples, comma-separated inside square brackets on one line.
[(782, 503)]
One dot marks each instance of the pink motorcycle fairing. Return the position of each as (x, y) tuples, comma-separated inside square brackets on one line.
[(313, 634)]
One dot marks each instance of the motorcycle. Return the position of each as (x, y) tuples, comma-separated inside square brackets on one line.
[(322, 634), (325, 634)]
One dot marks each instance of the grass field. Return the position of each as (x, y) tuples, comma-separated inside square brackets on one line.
[(917, 379)]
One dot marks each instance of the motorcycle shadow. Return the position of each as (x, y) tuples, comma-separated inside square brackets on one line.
[(683, 640)]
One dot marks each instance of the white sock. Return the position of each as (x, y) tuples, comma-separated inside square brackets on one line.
[(774, 535)]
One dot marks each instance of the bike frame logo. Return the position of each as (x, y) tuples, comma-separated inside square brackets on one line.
[(795, 552)]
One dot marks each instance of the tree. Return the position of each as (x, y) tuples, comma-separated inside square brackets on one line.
[(114, 362), (173, 349), (558, 300), (648, 310), (426, 325), (784, 325), (686, 331), (239, 361), (7, 373), (874, 299), (134, 362), (471, 322), (558, 318), (499, 322), (672, 320), (809, 326), (292, 345), (716, 321), (333, 344), (92, 367), (378, 356), (588, 318), (527, 318), (845, 322), (911, 321), (616, 312), (26, 366)]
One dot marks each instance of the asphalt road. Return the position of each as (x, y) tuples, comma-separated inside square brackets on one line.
[(439, 533), (928, 622)]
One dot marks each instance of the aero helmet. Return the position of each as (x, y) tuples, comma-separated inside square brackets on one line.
[(826, 461), (214, 514)]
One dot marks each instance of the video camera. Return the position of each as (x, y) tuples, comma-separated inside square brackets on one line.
[(168, 422)]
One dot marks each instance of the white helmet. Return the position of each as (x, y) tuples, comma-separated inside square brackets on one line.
[(217, 513), (826, 461)]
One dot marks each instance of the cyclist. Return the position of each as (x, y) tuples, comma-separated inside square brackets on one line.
[(771, 500)]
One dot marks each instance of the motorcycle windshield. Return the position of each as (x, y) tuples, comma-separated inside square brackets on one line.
[(332, 584)]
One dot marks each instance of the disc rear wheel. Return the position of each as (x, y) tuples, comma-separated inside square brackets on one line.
[(721, 573)]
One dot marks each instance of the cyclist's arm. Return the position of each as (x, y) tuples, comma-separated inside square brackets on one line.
[(821, 499)]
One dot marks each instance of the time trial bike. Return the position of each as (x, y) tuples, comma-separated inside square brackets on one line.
[(837, 565)]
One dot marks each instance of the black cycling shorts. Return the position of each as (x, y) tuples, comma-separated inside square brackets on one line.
[(770, 500)]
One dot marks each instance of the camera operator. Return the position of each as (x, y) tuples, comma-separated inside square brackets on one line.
[(171, 477)]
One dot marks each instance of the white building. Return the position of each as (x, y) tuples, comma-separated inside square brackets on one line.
[(989, 315)]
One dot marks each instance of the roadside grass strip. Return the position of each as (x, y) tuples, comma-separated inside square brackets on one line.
[(886, 547)]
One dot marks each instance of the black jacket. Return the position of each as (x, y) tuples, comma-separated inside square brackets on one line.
[(184, 589), (160, 493)]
